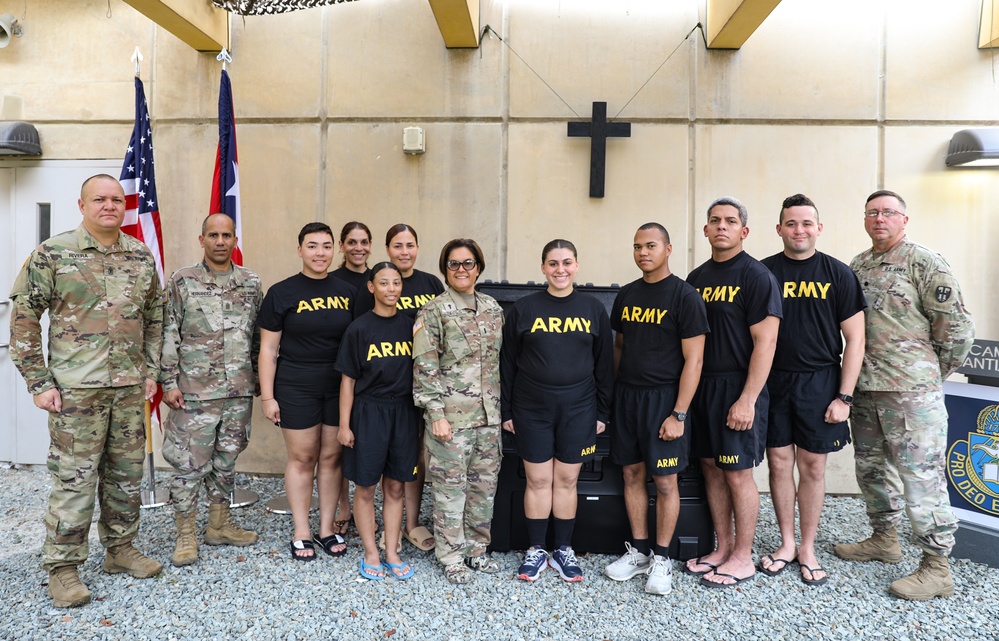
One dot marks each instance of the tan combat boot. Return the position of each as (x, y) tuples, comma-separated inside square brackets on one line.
[(186, 550), (125, 558), (222, 531), (932, 578), (882, 546), (66, 589)]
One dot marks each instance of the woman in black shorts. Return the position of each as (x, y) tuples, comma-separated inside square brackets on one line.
[(380, 423), (303, 319), (418, 288), (556, 372)]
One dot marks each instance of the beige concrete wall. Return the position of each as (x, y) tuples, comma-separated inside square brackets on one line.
[(832, 99)]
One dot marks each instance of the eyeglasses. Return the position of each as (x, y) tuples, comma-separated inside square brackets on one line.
[(887, 213), (469, 264)]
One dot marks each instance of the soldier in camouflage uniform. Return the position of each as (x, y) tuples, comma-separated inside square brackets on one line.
[(101, 290), (456, 348), (918, 333), (208, 373)]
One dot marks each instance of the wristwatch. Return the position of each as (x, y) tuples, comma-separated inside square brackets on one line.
[(846, 398), (680, 416)]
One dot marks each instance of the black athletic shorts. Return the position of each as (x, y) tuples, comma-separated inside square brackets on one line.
[(639, 412), (797, 411), (307, 394), (712, 438), (555, 422), (385, 440)]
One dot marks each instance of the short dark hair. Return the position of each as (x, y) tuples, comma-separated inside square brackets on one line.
[(458, 243), (657, 226), (397, 229), (385, 264), (204, 223), (731, 202), (558, 243), (314, 228), (96, 177), (797, 200), (884, 192)]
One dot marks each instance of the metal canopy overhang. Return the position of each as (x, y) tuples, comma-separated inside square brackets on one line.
[(19, 139)]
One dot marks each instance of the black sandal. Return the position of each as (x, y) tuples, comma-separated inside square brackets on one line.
[(299, 546), (327, 543)]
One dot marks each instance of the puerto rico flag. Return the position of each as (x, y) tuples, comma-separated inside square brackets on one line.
[(142, 215), (225, 182)]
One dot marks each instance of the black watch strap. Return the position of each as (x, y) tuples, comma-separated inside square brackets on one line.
[(846, 398)]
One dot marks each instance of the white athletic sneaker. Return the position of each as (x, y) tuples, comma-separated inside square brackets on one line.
[(660, 575), (630, 565)]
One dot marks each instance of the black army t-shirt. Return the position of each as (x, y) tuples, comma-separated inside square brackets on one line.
[(357, 280), (654, 318), (312, 315), (377, 352), (417, 290)]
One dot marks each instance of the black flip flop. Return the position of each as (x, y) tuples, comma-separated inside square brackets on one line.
[(770, 571), (328, 542), (813, 581), (711, 567), (299, 546), (737, 580)]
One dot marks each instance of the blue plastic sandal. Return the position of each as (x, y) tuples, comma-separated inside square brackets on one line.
[(390, 569), (369, 571)]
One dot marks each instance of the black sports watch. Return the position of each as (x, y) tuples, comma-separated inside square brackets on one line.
[(846, 398), (680, 416)]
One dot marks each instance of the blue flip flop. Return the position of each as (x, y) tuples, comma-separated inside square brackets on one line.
[(368, 571), (390, 569)]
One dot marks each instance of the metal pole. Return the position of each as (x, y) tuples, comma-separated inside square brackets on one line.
[(150, 496)]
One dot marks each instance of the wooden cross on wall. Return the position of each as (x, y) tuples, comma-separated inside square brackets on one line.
[(598, 130)]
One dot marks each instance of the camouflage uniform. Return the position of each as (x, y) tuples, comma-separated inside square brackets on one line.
[(456, 376), (210, 347), (918, 333), (105, 329)]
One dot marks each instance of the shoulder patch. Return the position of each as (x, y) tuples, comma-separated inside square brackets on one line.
[(418, 326), (943, 294)]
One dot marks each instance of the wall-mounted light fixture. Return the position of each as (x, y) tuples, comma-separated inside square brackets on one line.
[(974, 148), (8, 28), (19, 139), (413, 141)]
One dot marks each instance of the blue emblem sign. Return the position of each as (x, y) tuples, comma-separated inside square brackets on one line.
[(973, 462)]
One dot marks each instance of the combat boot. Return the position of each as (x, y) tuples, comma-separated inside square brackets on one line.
[(932, 578), (881, 546), (125, 558), (186, 550), (222, 531), (66, 589)]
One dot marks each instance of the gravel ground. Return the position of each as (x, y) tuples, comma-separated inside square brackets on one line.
[(260, 593)]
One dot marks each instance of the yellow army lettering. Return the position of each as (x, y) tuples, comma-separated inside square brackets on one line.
[(723, 293), (386, 349), (330, 302), (667, 462), (728, 459), (806, 289), (561, 325), (588, 450), (642, 315)]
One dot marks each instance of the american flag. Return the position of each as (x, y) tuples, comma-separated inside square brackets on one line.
[(142, 215), (225, 181)]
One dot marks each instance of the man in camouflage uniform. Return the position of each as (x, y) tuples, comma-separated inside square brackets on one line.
[(105, 307), (456, 347), (918, 333), (208, 372)]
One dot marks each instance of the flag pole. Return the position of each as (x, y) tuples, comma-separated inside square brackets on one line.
[(151, 497)]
